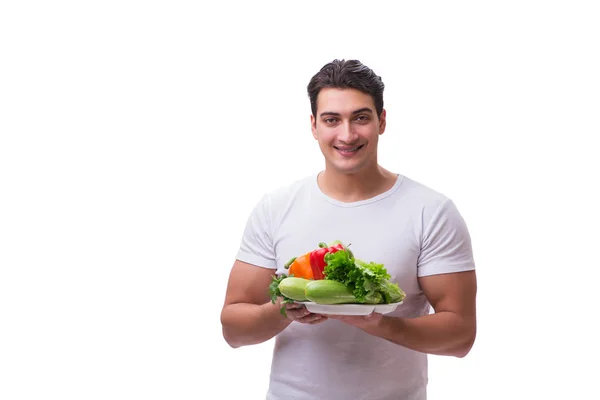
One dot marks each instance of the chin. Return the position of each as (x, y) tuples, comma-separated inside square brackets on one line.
[(348, 169)]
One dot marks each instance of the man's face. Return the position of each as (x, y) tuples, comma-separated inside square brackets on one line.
[(347, 129)]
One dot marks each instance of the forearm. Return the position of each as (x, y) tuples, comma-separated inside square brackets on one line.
[(442, 333), (247, 324)]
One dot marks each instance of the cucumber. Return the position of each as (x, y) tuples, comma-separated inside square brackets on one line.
[(324, 291), (293, 288)]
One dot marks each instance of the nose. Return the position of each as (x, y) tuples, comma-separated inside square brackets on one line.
[(346, 133)]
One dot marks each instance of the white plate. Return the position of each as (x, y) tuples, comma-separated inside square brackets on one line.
[(349, 309)]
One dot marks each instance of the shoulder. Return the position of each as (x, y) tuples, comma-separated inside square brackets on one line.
[(278, 199), (282, 195), (420, 193), (430, 205)]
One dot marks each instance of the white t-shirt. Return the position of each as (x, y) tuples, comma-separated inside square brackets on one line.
[(411, 229)]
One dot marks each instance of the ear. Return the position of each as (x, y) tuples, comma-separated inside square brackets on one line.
[(313, 126), (382, 122)]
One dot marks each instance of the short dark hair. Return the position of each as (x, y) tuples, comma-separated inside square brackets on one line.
[(344, 74)]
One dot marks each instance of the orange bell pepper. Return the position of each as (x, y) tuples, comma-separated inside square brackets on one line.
[(300, 267)]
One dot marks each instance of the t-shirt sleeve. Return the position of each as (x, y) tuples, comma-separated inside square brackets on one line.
[(446, 245), (256, 246)]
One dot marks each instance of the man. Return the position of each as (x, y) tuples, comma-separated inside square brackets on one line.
[(416, 232)]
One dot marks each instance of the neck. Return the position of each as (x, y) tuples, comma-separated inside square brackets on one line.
[(357, 186)]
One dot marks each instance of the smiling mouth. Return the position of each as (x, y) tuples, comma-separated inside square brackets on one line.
[(349, 149)]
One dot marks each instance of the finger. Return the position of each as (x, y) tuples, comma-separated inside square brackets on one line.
[(294, 306), (318, 320), (296, 314), (312, 318)]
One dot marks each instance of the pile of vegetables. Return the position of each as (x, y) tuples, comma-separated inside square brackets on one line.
[(332, 275)]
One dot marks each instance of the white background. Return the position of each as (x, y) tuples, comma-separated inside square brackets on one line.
[(137, 136)]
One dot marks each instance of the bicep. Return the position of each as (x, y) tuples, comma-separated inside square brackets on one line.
[(454, 292), (248, 284)]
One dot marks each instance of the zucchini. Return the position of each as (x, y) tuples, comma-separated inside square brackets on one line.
[(325, 291), (293, 288)]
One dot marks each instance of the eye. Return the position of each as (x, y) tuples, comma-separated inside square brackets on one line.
[(330, 121), (362, 118)]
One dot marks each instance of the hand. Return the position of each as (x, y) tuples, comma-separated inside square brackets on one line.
[(368, 323), (299, 313)]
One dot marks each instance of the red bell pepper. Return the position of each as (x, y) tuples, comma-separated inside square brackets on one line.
[(317, 258)]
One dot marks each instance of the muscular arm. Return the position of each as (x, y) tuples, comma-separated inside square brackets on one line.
[(248, 315), (450, 330)]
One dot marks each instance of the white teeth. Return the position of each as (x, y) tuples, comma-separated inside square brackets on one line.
[(349, 150)]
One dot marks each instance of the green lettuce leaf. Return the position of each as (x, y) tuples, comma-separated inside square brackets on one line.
[(369, 281), (274, 293)]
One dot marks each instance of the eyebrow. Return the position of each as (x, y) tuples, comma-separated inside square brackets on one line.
[(364, 109)]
